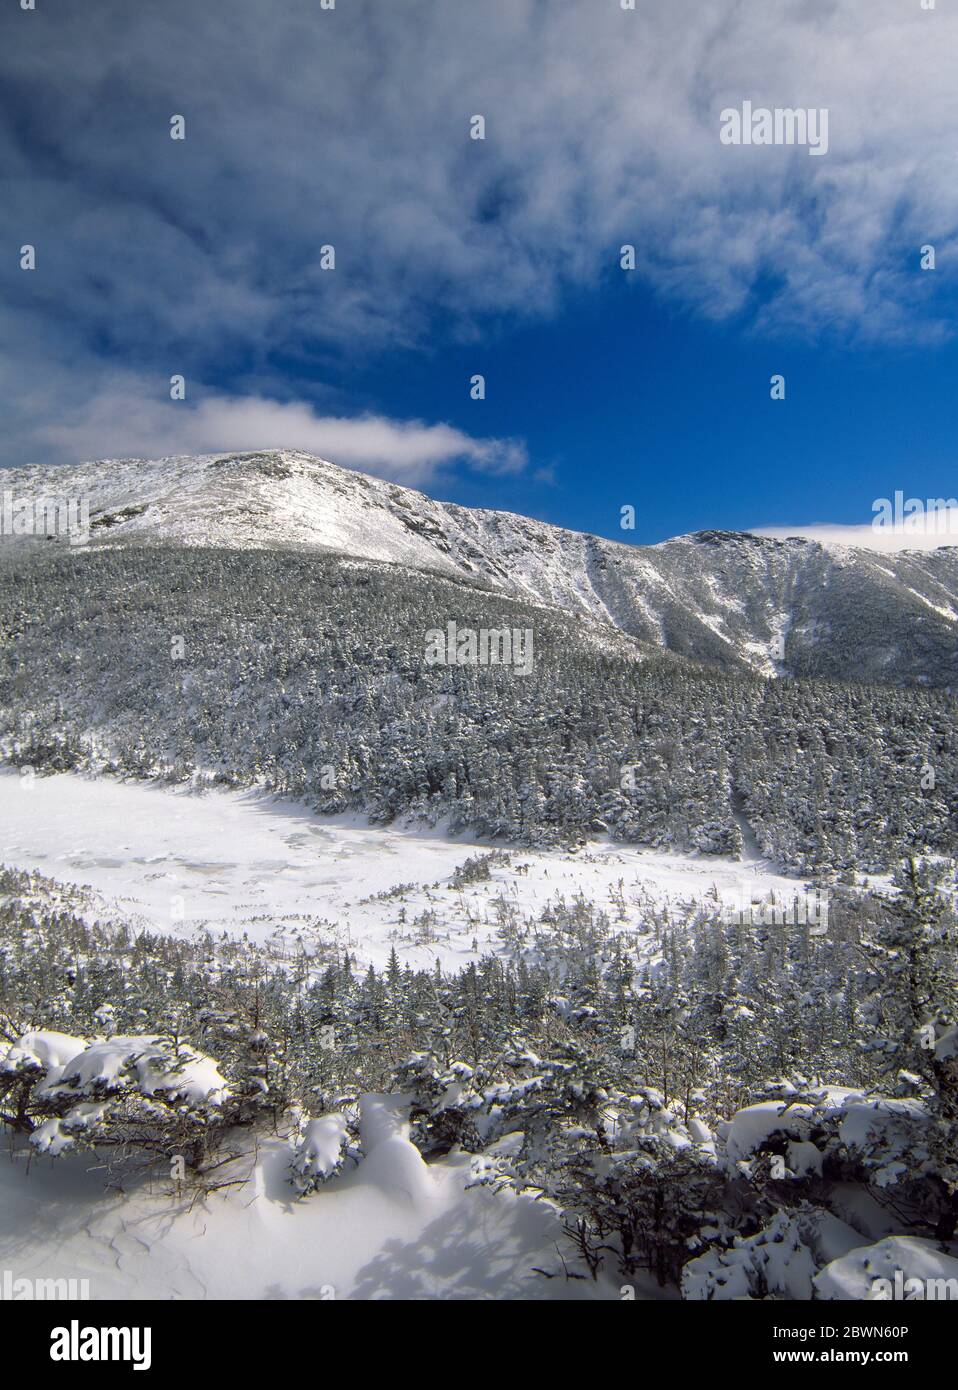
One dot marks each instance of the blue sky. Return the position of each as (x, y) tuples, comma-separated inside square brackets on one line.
[(307, 128), (624, 400)]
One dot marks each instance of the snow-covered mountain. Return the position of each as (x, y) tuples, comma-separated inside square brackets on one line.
[(735, 599)]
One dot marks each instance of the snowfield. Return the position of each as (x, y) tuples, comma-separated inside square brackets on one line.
[(238, 862), (391, 1227)]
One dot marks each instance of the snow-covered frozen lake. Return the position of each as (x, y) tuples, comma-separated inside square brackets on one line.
[(244, 861)]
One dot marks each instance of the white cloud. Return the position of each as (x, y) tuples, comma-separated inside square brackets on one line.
[(602, 125), (127, 422), (930, 534)]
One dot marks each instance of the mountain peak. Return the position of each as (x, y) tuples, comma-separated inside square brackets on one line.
[(717, 537)]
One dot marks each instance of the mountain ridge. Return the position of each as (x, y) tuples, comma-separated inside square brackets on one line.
[(737, 600)]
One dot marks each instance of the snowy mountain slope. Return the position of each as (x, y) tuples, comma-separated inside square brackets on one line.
[(775, 607)]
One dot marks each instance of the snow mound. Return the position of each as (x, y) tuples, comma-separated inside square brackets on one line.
[(752, 1126), (391, 1161), (151, 1064), (898, 1267), (47, 1050), (779, 1261)]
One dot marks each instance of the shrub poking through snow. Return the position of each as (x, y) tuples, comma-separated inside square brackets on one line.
[(478, 868), (320, 1148), (147, 1092), (442, 1103)]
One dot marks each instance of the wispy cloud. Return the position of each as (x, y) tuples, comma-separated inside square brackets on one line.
[(140, 426), (349, 127), (936, 532)]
